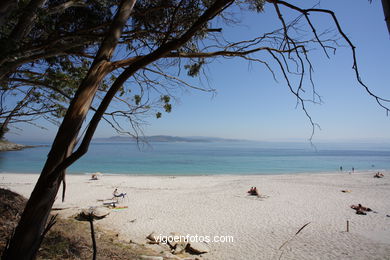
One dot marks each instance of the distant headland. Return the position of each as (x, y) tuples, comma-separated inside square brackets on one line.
[(166, 138), (10, 146)]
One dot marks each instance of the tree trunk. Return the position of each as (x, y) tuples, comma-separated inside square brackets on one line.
[(25, 241), (386, 11)]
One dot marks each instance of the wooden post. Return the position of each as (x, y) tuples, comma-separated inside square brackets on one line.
[(347, 225)]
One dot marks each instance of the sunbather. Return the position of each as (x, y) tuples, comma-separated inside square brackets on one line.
[(116, 194), (360, 210), (253, 191)]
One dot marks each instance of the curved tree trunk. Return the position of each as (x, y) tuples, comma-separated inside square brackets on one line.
[(25, 241), (386, 11)]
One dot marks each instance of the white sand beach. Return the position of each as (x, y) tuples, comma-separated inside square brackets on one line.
[(219, 206)]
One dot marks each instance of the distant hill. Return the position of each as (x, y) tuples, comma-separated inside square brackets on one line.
[(165, 138)]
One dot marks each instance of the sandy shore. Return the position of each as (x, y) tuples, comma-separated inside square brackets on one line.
[(219, 206)]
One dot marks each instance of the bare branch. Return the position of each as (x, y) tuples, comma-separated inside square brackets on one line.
[(382, 102)]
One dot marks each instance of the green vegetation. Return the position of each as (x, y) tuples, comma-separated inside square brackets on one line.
[(68, 238), (87, 56)]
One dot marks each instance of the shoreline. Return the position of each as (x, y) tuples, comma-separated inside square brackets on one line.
[(373, 171), (218, 205)]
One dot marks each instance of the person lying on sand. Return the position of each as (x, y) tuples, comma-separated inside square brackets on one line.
[(94, 177), (253, 191), (360, 210), (379, 175), (359, 206), (116, 194)]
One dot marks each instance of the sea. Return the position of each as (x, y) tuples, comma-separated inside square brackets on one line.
[(209, 158)]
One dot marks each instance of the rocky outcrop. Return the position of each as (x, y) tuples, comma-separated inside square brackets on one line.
[(180, 247), (9, 146)]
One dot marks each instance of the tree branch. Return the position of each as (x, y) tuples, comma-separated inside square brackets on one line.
[(382, 102)]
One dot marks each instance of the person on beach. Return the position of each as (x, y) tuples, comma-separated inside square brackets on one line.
[(379, 175), (360, 210), (341, 168), (116, 194), (353, 169), (253, 191)]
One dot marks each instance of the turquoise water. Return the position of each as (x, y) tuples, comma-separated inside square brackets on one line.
[(208, 158)]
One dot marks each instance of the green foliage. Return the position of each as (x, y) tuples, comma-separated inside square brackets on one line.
[(92, 13), (165, 99), (194, 68), (50, 25), (137, 99), (257, 5), (121, 91), (166, 105), (168, 108), (65, 75), (60, 111), (163, 20), (56, 54)]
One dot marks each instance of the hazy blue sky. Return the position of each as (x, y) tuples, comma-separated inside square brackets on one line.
[(249, 104)]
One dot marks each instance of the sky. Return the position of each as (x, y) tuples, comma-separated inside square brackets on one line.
[(249, 104)]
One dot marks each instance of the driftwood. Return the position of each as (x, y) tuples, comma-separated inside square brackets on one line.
[(90, 215), (292, 238)]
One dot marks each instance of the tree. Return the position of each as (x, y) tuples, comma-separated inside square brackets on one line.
[(6, 8), (386, 11), (3, 131), (51, 56), (40, 94), (159, 36), (9, 115), (55, 56)]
